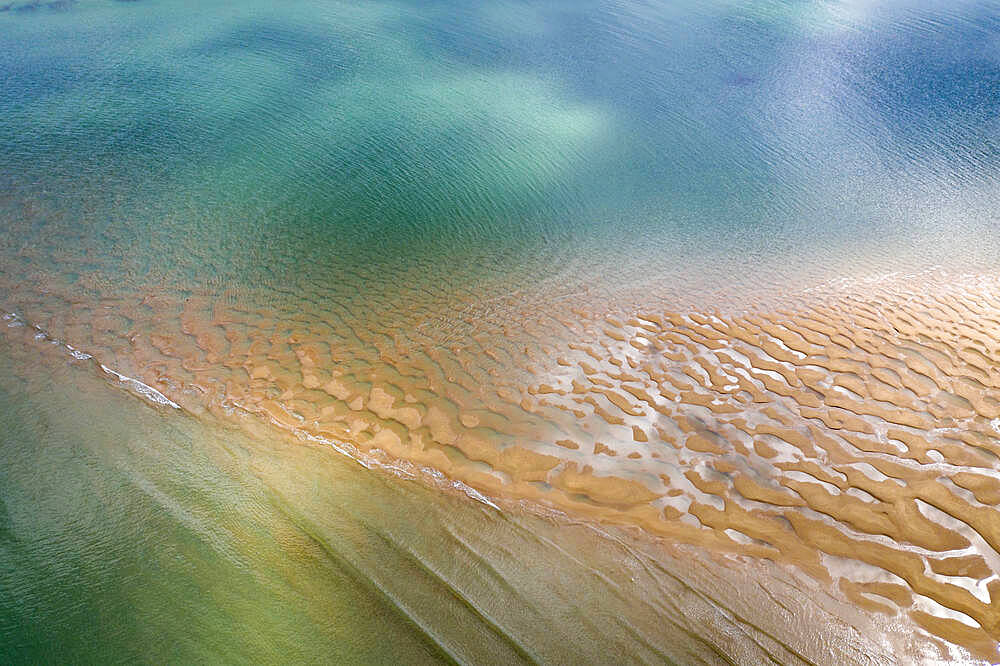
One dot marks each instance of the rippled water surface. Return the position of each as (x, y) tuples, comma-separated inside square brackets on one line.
[(722, 272)]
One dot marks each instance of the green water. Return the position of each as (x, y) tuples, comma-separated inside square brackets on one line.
[(130, 536)]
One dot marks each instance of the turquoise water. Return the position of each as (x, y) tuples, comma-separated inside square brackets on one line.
[(573, 144), (393, 226)]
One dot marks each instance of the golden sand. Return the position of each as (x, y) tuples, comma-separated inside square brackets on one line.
[(851, 432)]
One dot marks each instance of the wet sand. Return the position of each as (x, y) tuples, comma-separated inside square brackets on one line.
[(221, 538), (848, 432), (458, 579)]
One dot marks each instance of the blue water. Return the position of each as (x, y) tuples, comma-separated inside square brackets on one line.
[(601, 143)]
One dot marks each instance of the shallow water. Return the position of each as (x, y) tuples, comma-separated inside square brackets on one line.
[(724, 271)]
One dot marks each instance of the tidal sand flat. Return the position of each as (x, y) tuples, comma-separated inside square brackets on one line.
[(688, 308), (133, 531)]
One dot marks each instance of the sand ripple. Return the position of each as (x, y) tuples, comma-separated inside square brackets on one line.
[(852, 432)]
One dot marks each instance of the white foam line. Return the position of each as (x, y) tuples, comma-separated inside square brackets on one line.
[(82, 356), (144, 390), (401, 469), (474, 494)]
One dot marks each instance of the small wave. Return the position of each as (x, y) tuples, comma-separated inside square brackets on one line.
[(144, 390)]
